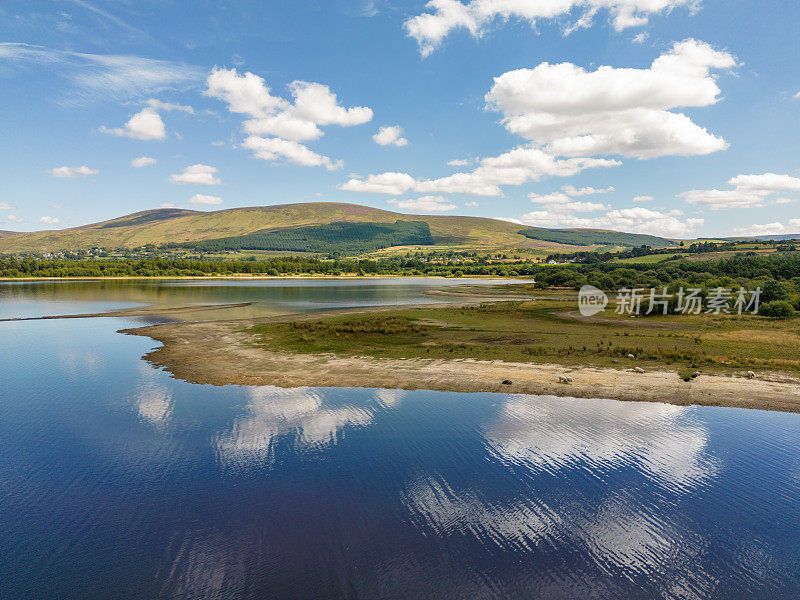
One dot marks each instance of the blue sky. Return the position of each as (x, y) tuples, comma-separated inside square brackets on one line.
[(671, 117)]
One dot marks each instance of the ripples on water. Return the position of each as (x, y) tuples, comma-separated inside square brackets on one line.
[(120, 482)]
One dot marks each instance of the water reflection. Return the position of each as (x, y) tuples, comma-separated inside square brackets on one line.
[(266, 297), (153, 399), (662, 440), (302, 414), (120, 482)]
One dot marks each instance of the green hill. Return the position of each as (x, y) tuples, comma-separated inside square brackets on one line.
[(178, 226), (590, 237)]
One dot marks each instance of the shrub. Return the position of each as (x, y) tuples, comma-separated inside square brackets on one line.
[(779, 309)]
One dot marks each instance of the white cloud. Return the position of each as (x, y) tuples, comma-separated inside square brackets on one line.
[(639, 199), (425, 204), (294, 152), (170, 106), (429, 29), (394, 184), (203, 199), (516, 167), (99, 77), (168, 205), (563, 203), (49, 220), (5, 206), (777, 228), (572, 117), (632, 220), (569, 111), (472, 204), (72, 172), (570, 190), (12, 219), (640, 38), (147, 124), (143, 161), (390, 136), (283, 124), (458, 162), (196, 175), (749, 191), (316, 103)]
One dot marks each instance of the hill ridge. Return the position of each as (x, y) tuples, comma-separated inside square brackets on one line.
[(177, 225)]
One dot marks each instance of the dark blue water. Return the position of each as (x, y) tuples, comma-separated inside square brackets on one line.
[(117, 481)]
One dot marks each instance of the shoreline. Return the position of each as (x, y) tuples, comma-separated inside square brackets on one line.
[(222, 353), (466, 278)]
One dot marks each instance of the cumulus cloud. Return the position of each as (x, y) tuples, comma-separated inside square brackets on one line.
[(203, 199), (196, 175), (565, 204), (5, 206), (425, 204), (444, 16), (390, 136), (293, 152), (631, 220), (458, 162), (790, 227), (49, 220), (569, 111), (103, 77), (570, 190), (12, 219), (572, 117), (276, 125), (748, 191), (147, 124), (143, 161), (516, 167), (72, 172)]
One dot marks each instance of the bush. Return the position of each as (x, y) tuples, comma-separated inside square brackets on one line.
[(779, 309)]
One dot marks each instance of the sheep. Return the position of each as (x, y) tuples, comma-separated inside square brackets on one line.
[(638, 370), (631, 356), (750, 375), (507, 382), (564, 379)]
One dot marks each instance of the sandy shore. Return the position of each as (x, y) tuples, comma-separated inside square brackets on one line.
[(221, 353)]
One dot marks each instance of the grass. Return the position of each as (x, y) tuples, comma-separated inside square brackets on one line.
[(548, 332)]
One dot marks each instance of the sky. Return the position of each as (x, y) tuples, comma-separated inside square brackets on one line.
[(678, 118)]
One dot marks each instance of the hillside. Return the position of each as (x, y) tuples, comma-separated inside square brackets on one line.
[(170, 225)]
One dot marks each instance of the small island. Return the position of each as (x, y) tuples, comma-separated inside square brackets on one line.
[(499, 342)]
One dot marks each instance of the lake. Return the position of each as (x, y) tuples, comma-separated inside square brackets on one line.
[(117, 481)]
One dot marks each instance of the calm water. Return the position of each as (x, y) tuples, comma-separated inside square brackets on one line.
[(117, 481)]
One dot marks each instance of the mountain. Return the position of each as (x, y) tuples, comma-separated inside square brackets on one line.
[(271, 223)]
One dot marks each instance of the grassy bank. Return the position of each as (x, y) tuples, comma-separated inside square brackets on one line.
[(547, 332)]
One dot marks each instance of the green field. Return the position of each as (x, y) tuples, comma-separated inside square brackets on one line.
[(549, 331)]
